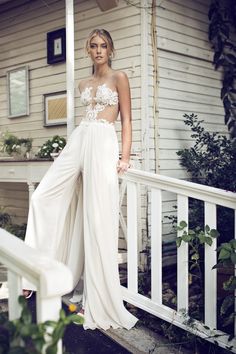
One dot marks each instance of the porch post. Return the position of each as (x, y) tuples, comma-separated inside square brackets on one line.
[(70, 65)]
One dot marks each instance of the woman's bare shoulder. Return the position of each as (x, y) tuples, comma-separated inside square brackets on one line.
[(121, 79), (83, 83), (120, 76)]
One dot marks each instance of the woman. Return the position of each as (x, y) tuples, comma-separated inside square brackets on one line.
[(74, 212)]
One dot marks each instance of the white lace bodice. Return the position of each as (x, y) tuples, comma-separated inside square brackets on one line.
[(104, 97)]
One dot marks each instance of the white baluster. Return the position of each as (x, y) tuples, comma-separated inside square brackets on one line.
[(15, 289), (132, 236), (210, 274), (31, 189), (235, 275), (182, 257), (156, 245)]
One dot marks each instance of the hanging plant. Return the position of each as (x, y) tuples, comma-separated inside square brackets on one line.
[(222, 28)]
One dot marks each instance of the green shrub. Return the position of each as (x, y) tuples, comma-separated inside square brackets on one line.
[(212, 162), (212, 159), (7, 224)]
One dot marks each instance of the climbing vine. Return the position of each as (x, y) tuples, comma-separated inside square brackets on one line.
[(222, 28)]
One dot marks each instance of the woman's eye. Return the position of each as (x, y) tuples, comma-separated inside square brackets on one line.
[(92, 45), (104, 46)]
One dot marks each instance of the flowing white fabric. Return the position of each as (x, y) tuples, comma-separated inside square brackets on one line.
[(73, 218)]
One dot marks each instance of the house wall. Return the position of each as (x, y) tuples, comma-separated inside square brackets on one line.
[(187, 81), (23, 29), (188, 84)]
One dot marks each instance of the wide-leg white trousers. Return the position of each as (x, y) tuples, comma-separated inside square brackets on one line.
[(73, 217)]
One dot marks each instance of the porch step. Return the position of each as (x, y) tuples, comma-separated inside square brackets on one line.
[(140, 340)]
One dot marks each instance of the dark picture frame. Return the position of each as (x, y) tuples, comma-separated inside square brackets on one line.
[(55, 109), (56, 46)]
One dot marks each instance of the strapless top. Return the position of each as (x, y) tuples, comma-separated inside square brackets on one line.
[(104, 97)]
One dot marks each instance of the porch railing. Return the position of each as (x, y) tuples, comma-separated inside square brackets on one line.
[(154, 305), (51, 278)]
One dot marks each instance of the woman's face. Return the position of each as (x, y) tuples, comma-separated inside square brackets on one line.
[(98, 50)]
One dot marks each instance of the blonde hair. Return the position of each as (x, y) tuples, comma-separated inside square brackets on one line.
[(107, 38)]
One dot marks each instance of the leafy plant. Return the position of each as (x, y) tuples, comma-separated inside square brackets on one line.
[(210, 161), (11, 144), (196, 240), (227, 259), (5, 218), (7, 224), (222, 16), (22, 336), (54, 145)]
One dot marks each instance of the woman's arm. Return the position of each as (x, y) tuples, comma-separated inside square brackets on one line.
[(123, 88)]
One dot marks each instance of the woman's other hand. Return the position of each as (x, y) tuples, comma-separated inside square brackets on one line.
[(122, 166)]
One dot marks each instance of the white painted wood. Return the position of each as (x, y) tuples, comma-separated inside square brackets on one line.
[(210, 274), (185, 188), (144, 86), (14, 291), (176, 318), (156, 245), (235, 275), (182, 256), (70, 80), (139, 221), (23, 171), (132, 237), (31, 188), (52, 279), (47, 308)]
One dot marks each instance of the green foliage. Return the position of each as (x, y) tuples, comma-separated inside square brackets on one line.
[(5, 218), (7, 224), (227, 259), (222, 16), (212, 159), (11, 144), (196, 240), (22, 336), (54, 145)]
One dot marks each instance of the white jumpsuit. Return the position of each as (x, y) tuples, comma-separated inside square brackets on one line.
[(74, 213)]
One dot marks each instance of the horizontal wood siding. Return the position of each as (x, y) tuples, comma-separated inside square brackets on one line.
[(188, 82), (23, 31), (14, 201)]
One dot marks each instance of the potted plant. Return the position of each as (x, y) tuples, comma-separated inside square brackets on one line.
[(52, 147), (14, 146)]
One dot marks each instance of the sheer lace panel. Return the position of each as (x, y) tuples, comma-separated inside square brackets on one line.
[(95, 104)]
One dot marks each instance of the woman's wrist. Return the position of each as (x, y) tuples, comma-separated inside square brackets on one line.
[(123, 165), (125, 159)]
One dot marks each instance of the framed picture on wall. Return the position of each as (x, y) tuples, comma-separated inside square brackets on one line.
[(56, 46), (55, 109), (18, 92)]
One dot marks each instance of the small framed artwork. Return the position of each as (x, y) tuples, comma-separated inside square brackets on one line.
[(56, 46), (18, 92), (55, 109)]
